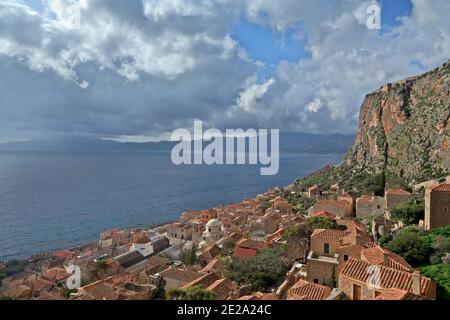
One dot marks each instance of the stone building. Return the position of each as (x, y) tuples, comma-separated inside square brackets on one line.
[(339, 208), (213, 232), (322, 262), (394, 197), (360, 280), (178, 233), (367, 206), (437, 207)]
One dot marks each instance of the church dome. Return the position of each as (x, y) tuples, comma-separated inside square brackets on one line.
[(214, 223)]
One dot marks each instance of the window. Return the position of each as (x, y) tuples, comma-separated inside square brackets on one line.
[(326, 248), (378, 207), (345, 257), (316, 280)]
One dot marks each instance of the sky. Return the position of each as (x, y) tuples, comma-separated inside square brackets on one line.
[(136, 70)]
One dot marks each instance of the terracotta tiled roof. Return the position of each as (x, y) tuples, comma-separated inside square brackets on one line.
[(56, 274), (304, 290), (397, 294), (158, 261), (325, 214), (41, 284), (215, 265), (276, 235), (261, 296), (379, 256), (442, 188), (210, 253), (103, 292), (66, 254), (244, 252), (181, 275), (223, 289), (329, 234), (251, 244), (389, 278), (204, 281)]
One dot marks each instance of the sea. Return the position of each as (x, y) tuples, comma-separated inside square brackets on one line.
[(56, 200)]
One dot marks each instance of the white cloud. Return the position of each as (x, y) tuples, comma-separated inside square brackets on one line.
[(314, 106), (249, 97), (144, 67)]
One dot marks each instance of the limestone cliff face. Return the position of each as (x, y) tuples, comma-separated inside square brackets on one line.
[(404, 130)]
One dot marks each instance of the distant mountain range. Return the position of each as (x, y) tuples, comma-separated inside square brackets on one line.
[(289, 143)]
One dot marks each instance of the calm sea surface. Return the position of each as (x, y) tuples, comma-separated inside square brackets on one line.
[(50, 201)]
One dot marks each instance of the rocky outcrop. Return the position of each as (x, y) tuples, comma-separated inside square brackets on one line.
[(404, 130)]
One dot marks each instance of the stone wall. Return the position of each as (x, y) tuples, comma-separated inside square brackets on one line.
[(437, 209)]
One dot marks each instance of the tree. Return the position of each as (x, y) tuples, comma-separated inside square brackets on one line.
[(189, 256), (297, 232), (409, 212), (324, 223), (261, 272), (100, 265), (159, 293), (192, 293), (412, 247), (228, 247), (441, 247), (332, 283)]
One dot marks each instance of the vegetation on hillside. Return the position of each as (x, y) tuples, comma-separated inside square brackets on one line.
[(425, 250), (324, 223), (192, 293), (262, 272), (409, 212)]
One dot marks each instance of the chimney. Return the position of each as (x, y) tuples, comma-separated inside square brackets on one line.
[(385, 258), (416, 283)]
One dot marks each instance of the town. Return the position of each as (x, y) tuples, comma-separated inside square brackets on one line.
[(292, 243)]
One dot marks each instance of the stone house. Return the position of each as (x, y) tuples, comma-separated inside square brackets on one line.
[(360, 280), (178, 233), (304, 290), (339, 208), (437, 207), (367, 206), (282, 205), (394, 197), (322, 262), (271, 222), (177, 278)]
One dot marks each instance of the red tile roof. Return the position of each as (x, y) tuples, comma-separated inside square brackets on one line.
[(329, 234), (66, 254), (380, 256), (244, 252), (389, 278), (442, 188), (397, 294), (304, 290), (204, 281), (56, 274), (223, 289), (181, 275), (325, 214), (251, 244)]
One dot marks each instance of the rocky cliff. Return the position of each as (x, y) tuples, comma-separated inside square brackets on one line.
[(404, 132)]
